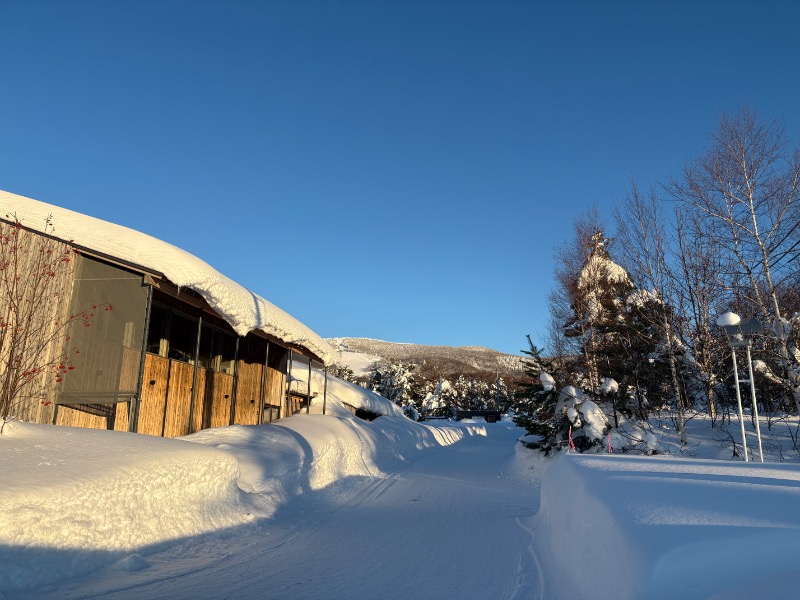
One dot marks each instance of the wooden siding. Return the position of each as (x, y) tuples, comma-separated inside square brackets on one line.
[(73, 417), (276, 389), (154, 395), (248, 392), (297, 403), (165, 404), (121, 416), (115, 417), (202, 408), (220, 392), (179, 399)]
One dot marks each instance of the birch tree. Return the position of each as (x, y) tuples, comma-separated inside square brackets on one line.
[(744, 191), (641, 226)]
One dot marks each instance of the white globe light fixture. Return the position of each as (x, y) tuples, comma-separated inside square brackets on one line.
[(728, 319)]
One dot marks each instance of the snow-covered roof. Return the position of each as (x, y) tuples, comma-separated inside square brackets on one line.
[(244, 310)]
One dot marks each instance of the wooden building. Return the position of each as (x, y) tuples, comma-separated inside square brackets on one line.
[(171, 346)]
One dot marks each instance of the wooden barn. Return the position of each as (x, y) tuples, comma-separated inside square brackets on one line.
[(169, 346)]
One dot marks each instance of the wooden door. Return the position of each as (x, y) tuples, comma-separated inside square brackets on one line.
[(154, 395), (179, 398), (202, 413), (248, 393), (220, 392)]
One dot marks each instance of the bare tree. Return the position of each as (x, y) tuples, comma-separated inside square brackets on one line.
[(745, 193), (641, 227), (35, 289), (700, 294)]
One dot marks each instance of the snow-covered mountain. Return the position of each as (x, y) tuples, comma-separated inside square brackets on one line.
[(446, 361)]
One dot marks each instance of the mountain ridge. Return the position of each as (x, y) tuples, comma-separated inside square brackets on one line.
[(435, 361)]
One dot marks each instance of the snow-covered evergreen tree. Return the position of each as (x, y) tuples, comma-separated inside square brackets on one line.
[(597, 297), (560, 420), (343, 372), (619, 328), (499, 396), (441, 401), (394, 382)]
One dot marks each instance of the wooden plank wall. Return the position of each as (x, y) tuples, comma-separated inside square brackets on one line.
[(121, 416), (202, 406), (276, 389), (75, 417), (248, 392), (71, 417), (297, 403), (221, 392), (154, 395), (166, 399), (179, 399)]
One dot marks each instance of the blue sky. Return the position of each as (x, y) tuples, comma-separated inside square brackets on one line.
[(394, 170)]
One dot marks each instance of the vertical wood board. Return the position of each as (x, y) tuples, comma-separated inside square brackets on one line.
[(248, 393), (179, 398), (154, 395)]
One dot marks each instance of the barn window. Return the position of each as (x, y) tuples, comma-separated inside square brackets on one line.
[(172, 334), (217, 350)]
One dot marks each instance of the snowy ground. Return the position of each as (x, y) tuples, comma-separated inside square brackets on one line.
[(324, 507), (329, 506)]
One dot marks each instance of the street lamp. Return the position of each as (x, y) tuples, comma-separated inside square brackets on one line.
[(738, 333)]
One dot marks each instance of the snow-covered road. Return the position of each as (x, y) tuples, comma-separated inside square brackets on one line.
[(450, 524)]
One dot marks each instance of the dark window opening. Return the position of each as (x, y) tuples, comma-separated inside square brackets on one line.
[(182, 337), (217, 350), (157, 333), (171, 334)]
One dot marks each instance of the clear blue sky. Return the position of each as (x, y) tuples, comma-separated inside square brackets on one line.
[(397, 170)]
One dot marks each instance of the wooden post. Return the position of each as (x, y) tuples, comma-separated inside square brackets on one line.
[(288, 400), (262, 402), (308, 387), (325, 391), (133, 414), (235, 380)]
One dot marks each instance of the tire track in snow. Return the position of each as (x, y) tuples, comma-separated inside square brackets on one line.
[(450, 524)]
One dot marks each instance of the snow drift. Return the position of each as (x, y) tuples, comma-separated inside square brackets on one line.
[(622, 527), (75, 500)]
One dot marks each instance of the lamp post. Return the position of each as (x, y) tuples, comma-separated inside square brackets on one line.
[(738, 333)]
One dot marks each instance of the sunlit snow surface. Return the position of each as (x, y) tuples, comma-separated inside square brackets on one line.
[(660, 527), (244, 310), (320, 506)]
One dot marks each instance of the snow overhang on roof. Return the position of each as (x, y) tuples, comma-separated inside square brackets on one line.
[(244, 310)]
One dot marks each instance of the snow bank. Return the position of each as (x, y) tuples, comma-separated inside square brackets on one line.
[(655, 527), (242, 309), (345, 392), (75, 500)]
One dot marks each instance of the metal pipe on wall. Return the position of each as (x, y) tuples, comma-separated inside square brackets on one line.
[(133, 409), (193, 396)]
